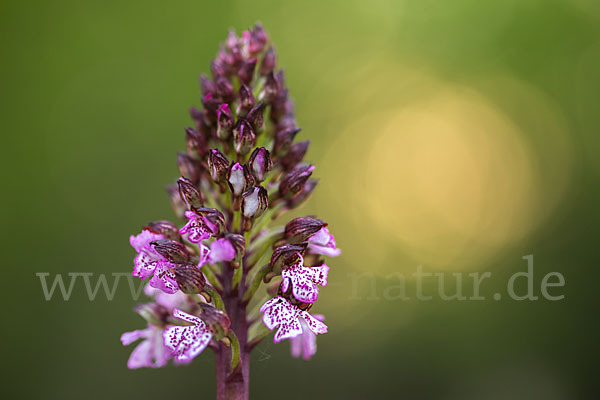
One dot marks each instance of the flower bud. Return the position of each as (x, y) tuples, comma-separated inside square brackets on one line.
[(172, 250), (260, 163), (239, 244), (217, 321), (246, 101), (189, 278), (268, 62), (165, 228), (243, 137), (217, 164), (304, 194), (256, 118), (188, 167), (207, 85), (218, 68), (293, 182), (271, 88), (210, 104), (254, 202), (300, 229), (189, 193), (239, 179), (246, 71), (225, 90), (213, 218), (177, 203), (196, 142), (224, 121), (286, 255), (257, 40), (283, 140), (294, 155)]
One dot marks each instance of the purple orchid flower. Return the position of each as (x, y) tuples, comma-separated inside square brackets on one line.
[(197, 228), (281, 314), (187, 341), (323, 243), (151, 352), (149, 263), (304, 280), (305, 344)]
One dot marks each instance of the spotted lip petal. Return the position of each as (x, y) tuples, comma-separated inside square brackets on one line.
[(280, 314), (196, 228), (304, 281), (305, 345), (164, 278), (186, 342)]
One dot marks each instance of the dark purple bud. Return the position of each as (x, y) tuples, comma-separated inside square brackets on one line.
[(188, 167), (216, 320), (218, 68), (304, 194), (210, 104), (207, 85), (300, 229), (239, 179), (258, 39), (294, 155), (232, 40), (172, 250), (225, 90), (254, 202), (260, 163), (224, 121), (271, 88), (189, 278), (293, 182), (287, 255), (218, 165), (165, 228), (212, 217), (239, 244), (246, 71), (281, 106), (196, 142), (268, 62), (283, 140), (246, 100), (189, 193), (178, 205), (256, 118), (243, 137)]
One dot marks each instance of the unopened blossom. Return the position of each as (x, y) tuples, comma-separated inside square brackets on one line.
[(186, 342), (198, 227), (151, 352), (149, 262), (305, 344), (304, 281), (323, 243), (280, 314)]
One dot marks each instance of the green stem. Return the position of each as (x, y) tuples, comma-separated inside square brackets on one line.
[(215, 297), (256, 280)]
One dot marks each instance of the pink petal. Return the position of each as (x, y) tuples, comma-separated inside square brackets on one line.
[(313, 323), (144, 263), (164, 278), (221, 250), (143, 239)]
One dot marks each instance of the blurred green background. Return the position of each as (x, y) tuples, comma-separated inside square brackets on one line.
[(457, 135)]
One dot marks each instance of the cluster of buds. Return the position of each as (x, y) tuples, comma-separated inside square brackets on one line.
[(242, 171)]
